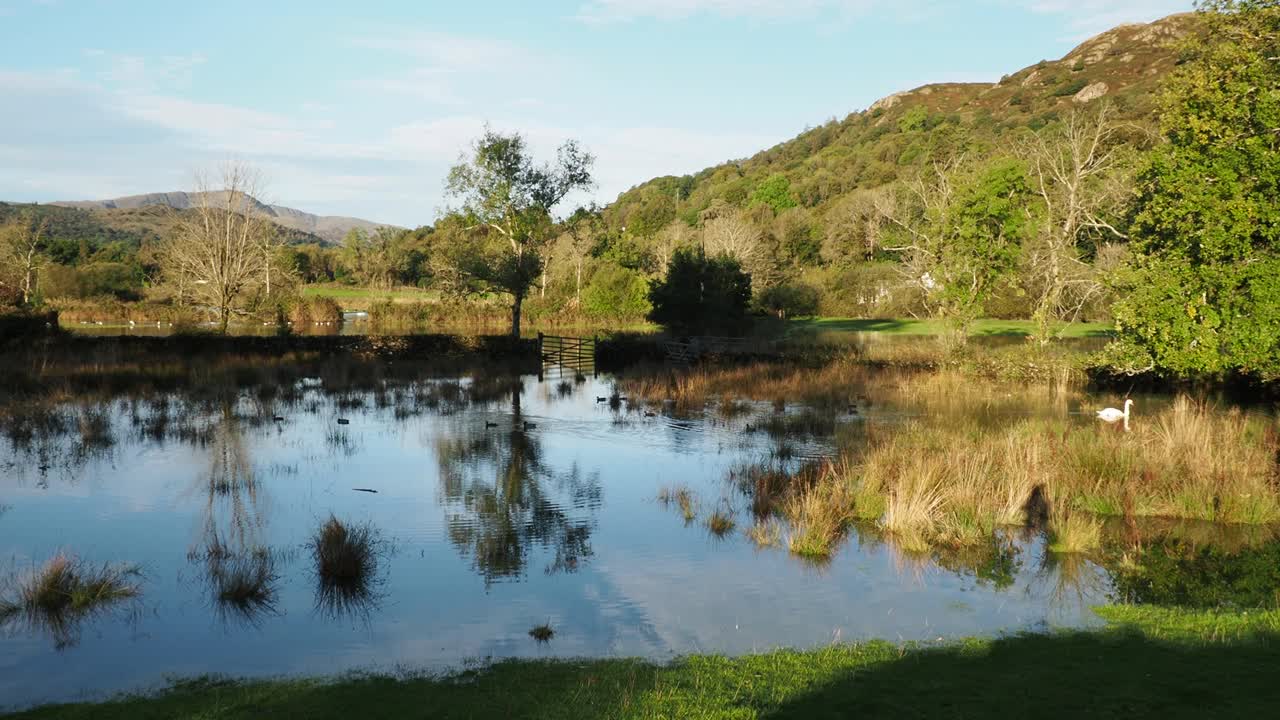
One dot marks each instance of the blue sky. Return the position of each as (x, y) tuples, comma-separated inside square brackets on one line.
[(360, 108)]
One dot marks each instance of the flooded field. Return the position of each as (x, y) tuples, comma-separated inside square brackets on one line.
[(319, 526)]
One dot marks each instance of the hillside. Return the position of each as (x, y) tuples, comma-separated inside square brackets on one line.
[(898, 134), (77, 232), (328, 228)]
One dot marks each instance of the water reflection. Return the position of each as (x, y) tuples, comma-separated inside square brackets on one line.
[(501, 499), (349, 559)]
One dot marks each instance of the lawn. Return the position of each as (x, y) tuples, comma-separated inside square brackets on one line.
[(1145, 663), (361, 298), (1011, 328)]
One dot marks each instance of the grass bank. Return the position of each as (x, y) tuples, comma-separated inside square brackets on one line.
[(908, 326), (1145, 663)]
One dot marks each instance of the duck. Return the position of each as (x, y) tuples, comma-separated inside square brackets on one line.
[(1112, 415), (649, 414), (343, 421), (601, 400), (529, 426), (491, 424)]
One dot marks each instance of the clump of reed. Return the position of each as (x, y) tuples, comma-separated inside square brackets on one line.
[(765, 533), (683, 498), (306, 311), (388, 314), (542, 633), (721, 523), (940, 483), (346, 556), (819, 516), (65, 591), (1074, 532)]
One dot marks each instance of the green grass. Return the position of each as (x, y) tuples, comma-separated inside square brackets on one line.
[(1010, 328), (1146, 663), (362, 298)]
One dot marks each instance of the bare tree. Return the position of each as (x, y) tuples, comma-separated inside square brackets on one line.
[(1078, 171), (218, 248), (731, 232), (22, 241)]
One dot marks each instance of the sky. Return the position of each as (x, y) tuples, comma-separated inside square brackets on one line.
[(360, 108)]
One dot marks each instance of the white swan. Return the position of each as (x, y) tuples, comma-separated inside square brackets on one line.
[(1112, 415)]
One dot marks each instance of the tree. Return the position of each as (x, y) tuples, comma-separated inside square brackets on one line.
[(217, 249), (508, 198), (617, 292), (701, 293), (963, 227), (1203, 293), (582, 228), (22, 244), (1079, 171)]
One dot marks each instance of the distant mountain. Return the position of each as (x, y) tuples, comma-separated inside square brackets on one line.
[(329, 228)]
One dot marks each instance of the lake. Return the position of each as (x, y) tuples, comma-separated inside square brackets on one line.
[(498, 503)]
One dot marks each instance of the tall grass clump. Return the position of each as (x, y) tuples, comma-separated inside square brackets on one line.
[(244, 586), (65, 591), (346, 563), (683, 498), (720, 523), (1074, 532), (943, 483), (819, 516)]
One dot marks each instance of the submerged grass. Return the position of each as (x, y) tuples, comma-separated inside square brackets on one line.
[(1145, 663), (65, 591)]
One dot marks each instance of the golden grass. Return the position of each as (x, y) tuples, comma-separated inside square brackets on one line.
[(949, 484), (66, 590), (720, 523), (819, 516), (1074, 532), (765, 533), (683, 498)]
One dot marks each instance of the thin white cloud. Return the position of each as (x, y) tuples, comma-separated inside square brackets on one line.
[(604, 11), (1088, 17)]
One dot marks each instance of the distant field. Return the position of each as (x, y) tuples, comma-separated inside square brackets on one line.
[(1008, 328), (358, 298)]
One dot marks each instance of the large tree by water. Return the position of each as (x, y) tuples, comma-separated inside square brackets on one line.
[(508, 200), (1203, 296)]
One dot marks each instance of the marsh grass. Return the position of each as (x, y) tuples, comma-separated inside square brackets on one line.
[(765, 533), (1074, 532), (64, 592), (683, 498), (721, 523), (347, 558), (542, 633), (819, 517), (942, 483)]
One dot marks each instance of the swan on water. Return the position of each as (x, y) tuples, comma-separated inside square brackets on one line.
[(1112, 415)]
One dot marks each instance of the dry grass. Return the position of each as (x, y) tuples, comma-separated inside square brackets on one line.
[(1074, 532), (943, 483), (64, 592), (765, 533), (819, 516), (683, 498), (346, 559), (721, 523)]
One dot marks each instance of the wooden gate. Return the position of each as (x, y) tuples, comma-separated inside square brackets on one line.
[(566, 356)]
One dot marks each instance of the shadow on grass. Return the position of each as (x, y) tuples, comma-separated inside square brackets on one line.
[(1114, 673)]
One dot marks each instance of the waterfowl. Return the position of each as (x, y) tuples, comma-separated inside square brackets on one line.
[(343, 421), (1112, 415), (601, 400), (491, 424), (650, 414), (529, 426), (277, 418)]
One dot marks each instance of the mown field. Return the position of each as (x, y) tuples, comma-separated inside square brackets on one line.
[(1145, 663)]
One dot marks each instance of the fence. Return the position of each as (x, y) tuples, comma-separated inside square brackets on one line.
[(565, 356)]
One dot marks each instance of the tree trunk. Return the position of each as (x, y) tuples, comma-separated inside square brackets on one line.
[(515, 315)]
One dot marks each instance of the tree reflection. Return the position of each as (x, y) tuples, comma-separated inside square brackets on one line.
[(502, 501), (239, 568)]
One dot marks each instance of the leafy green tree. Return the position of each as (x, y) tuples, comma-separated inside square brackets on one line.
[(963, 229), (618, 293), (701, 294), (789, 300), (1203, 294), (774, 191), (507, 200)]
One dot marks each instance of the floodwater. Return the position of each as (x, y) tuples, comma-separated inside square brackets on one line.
[(498, 504)]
